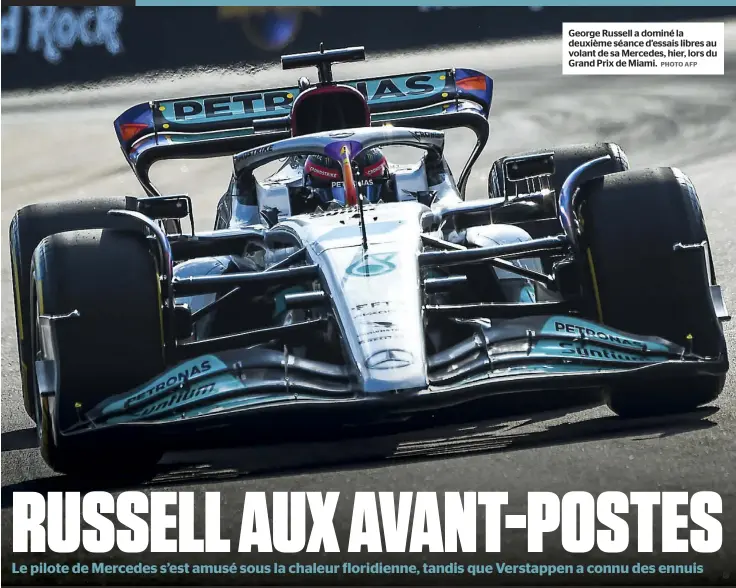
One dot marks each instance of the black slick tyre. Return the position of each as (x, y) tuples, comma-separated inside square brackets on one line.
[(29, 226), (641, 282), (109, 278), (567, 158)]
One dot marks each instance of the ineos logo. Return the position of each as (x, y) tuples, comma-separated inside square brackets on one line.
[(389, 359)]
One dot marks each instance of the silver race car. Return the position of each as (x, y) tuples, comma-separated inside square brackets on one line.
[(342, 288)]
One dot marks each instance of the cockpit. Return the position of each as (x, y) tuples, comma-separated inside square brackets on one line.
[(333, 107), (310, 181)]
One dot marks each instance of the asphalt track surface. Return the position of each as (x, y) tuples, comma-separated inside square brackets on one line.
[(61, 145)]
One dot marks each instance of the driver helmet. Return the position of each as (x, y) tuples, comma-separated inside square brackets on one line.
[(324, 175)]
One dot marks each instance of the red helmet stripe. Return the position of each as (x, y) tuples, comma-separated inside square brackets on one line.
[(322, 171), (375, 169)]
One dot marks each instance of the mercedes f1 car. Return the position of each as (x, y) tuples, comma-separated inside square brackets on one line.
[(342, 288)]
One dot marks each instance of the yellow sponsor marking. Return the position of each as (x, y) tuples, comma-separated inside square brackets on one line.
[(18, 304), (595, 287), (160, 311), (39, 296)]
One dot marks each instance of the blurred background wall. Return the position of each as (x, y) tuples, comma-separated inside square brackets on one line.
[(46, 46)]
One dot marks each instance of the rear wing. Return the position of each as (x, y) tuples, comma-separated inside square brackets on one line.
[(225, 124)]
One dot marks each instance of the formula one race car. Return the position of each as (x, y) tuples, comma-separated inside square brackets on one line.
[(343, 288)]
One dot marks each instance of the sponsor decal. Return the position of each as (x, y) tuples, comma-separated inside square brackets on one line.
[(375, 170), (239, 105), (589, 352), (595, 352), (248, 105), (377, 331), (325, 173), (358, 183), (379, 324), (593, 332), (583, 331), (375, 338), (53, 29), (399, 87), (389, 359), (176, 399), (419, 135), (362, 309), (185, 372), (371, 265), (372, 309), (258, 151)]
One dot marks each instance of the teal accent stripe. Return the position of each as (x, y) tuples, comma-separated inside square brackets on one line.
[(463, 3)]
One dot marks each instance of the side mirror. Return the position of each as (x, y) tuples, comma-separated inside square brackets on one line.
[(165, 207), (523, 167)]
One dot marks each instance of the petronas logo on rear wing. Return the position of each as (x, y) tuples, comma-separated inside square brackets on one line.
[(383, 94)]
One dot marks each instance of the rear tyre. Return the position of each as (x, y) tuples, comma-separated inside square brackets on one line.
[(30, 225), (544, 221), (115, 344), (639, 283), (567, 158)]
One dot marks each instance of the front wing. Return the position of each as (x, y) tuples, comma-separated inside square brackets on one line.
[(518, 355)]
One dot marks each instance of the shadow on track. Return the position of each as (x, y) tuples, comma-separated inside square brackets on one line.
[(19, 439), (377, 451)]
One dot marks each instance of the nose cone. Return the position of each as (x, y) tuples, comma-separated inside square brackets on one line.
[(381, 314), (377, 297)]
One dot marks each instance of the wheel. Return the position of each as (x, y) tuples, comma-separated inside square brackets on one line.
[(641, 284), (29, 226), (542, 223), (110, 278)]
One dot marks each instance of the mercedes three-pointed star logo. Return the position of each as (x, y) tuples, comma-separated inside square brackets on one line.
[(389, 359)]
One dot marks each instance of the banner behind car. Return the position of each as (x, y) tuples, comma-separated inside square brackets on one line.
[(45, 46)]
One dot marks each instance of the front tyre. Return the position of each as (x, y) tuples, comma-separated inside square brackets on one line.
[(110, 278), (29, 226), (641, 283)]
